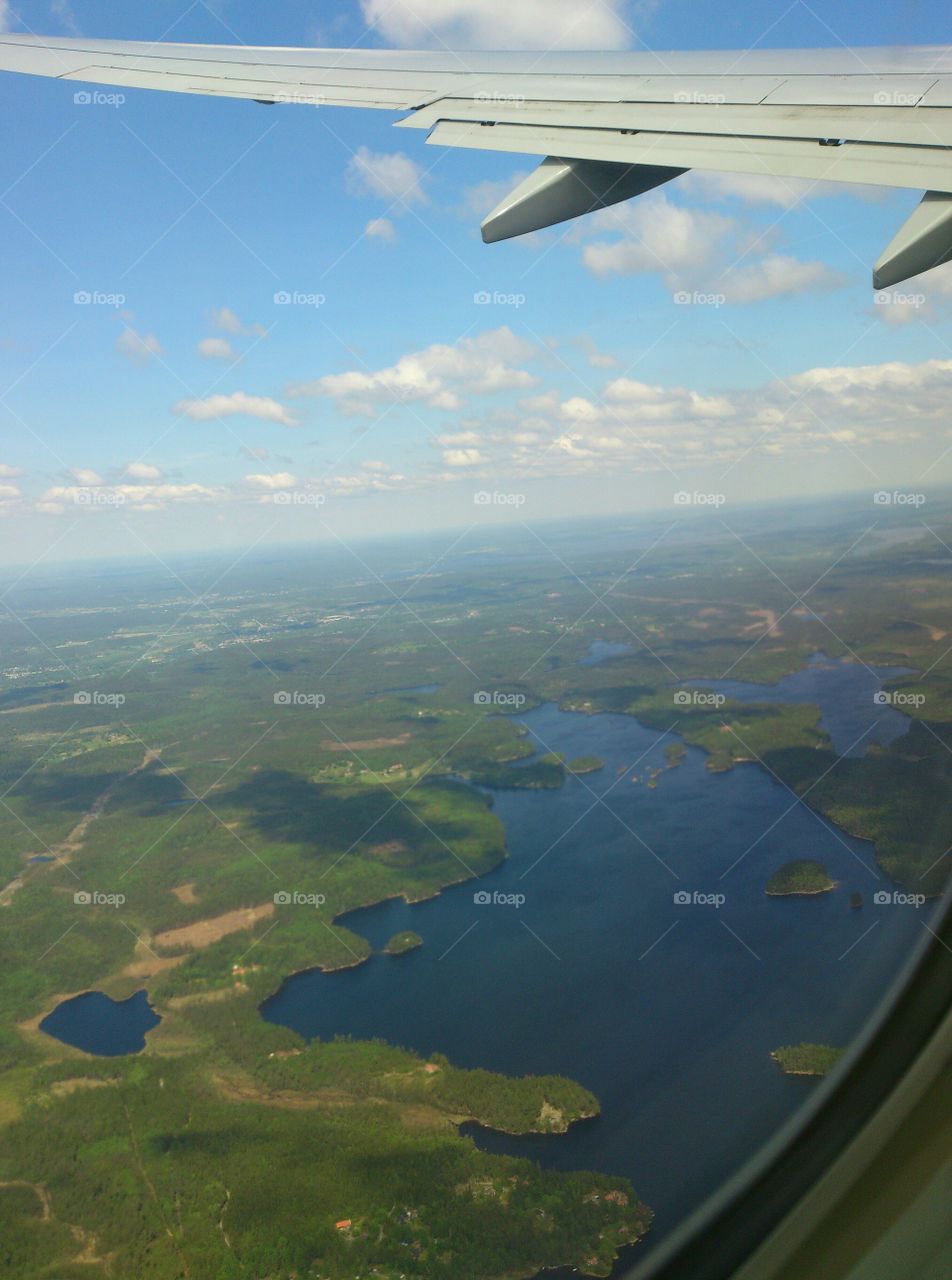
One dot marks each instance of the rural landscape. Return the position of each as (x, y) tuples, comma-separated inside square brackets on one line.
[(205, 769)]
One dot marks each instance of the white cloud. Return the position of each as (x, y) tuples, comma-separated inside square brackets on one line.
[(656, 236), (381, 229), (481, 198), (9, 473), (63, 10), (778, 275), (500, 24), (391, 175), (140, 348), (86, 477), (757, 188), (272, 483), (5, 15), (224, 318), (463, 457), (440, 376), (142, 471), (238, 403), (9, 492), (636, 426), (141, 497), (216, 349)]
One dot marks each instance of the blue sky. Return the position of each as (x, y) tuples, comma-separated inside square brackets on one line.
[(188, 404)]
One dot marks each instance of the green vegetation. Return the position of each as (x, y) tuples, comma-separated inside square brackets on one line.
[(403, 942), (803, 876), (807, 1059), (254, 823), (585, 764)]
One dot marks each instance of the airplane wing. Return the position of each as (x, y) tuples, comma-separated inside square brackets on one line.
[(608, 126)]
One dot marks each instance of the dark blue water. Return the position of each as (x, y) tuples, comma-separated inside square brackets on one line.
[(667, 1012), (845, 691), (600, 651), (96, 1024)]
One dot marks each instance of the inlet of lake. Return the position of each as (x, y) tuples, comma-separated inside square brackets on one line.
[(667, 1011), (585, 963)]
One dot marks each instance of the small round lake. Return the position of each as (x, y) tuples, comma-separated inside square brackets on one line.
[(96, 1024)]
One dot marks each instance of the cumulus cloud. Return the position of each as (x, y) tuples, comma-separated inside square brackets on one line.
[(141, 349), (778, 275), (652, 427), (655, 235), (139, 497), (439, 376), (754, 188), (381, 229), (393, 176), (695, 247), (500, 24), (216, 349), (86, 477), (225, 319), (272, 483), (142, 471), (230, 406), (9, 473)]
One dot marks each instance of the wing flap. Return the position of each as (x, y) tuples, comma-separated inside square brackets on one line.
[(892, 166), (903, 125)]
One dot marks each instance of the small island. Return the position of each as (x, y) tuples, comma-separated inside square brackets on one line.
[(803, 876), (807, 1059), (676, 753), (403, 942), (585, 764)]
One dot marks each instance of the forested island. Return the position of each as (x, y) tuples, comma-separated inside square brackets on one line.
[(403, 942), (807, 1059), (803, 876)]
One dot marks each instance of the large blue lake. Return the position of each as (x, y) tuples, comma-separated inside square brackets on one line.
[(667, 1012)]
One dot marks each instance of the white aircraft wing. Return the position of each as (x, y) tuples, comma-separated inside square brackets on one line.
[(608, 126)]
